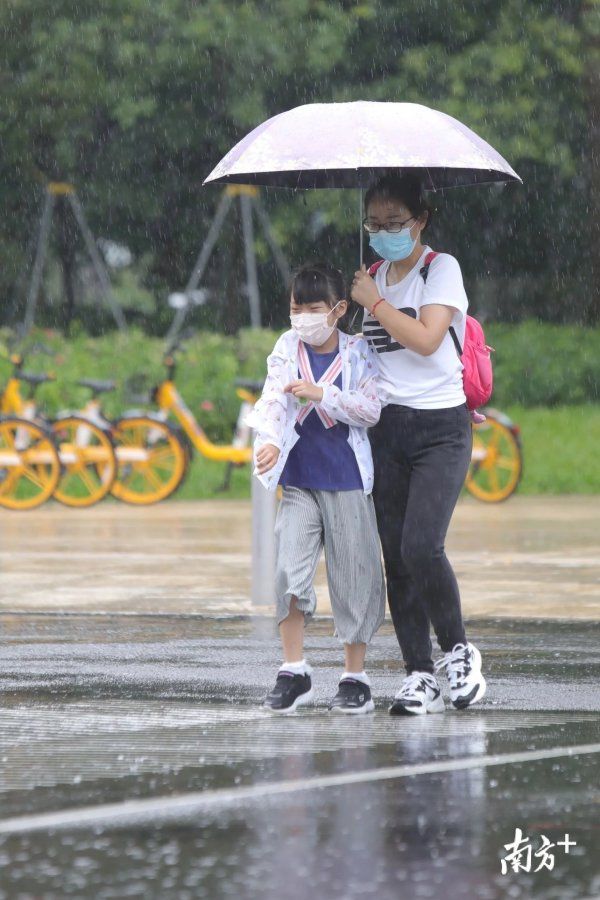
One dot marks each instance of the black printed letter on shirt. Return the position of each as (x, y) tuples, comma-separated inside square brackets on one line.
[(379, 338)]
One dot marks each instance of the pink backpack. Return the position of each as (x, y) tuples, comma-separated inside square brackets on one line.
[(475, 355)]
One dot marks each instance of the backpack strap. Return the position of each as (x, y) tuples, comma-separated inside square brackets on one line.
[(375, 266), (426, 263), (455, 340), (424, 273)]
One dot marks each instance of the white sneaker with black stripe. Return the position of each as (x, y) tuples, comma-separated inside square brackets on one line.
[(462, 665), (420, 694)]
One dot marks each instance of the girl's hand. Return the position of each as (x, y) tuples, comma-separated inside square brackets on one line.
[(364, 290), (305, 390), (266, 458)]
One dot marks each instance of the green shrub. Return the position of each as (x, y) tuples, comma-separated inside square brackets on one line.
[(560, 449), (535, 365), (206, 372), (538, 364)]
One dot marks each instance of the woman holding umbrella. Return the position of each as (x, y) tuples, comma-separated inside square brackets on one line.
[(422, 443)]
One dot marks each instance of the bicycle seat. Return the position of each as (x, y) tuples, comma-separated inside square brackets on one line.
[(34, 377), (254, 386), (100, 387)]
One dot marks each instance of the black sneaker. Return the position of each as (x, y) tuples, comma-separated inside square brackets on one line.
[(353, 698), (290, 692)]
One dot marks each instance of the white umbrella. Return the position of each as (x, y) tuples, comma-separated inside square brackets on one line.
[(337, 145)]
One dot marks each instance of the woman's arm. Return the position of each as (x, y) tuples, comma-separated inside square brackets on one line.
[(423, 335)]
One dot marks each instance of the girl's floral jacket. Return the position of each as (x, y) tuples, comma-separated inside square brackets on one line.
[(356, 404)]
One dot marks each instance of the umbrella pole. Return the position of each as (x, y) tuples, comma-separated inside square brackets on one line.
[(360, 228)]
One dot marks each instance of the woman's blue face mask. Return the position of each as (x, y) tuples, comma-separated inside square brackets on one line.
[(393, 246)]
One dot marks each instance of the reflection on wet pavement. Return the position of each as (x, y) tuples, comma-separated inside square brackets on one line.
[(126, 709)]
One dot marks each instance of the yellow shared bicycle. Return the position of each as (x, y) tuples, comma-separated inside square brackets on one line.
[(154, 448), (496, 460), (85, 464), (152, 458), (29, 463), (171, 412), (171, 404)]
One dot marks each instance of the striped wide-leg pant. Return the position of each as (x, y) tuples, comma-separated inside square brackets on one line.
[(343, 524)]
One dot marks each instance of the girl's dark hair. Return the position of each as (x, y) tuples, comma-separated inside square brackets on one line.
[(404, 189), (314, 282)]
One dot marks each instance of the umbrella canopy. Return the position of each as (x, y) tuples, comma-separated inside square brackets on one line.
[(336, 145)]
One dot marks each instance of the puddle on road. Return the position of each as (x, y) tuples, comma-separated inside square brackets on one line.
[(78, 753), (408, 838)]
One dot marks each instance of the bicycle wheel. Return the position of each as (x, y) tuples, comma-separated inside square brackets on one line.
[(29, 464), (151, 460), (496, 463), (88, 461)]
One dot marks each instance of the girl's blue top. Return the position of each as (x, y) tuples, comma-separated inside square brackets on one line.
[(322, 459)]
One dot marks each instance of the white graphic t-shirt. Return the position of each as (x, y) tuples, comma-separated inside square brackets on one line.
[(408, 378)]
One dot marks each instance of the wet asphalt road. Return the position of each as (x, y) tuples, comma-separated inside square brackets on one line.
[(135, 761)]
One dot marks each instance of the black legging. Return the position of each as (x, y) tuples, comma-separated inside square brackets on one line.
[(421, 460)]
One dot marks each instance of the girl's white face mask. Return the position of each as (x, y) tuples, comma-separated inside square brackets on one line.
[(313, 328)]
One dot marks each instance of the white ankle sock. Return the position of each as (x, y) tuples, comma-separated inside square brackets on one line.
[(296, 668), (358, 676)]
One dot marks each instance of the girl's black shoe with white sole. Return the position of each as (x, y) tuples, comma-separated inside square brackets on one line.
[(353, 698), (290, 692)]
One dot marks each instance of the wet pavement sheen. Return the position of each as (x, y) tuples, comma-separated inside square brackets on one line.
[(531, 556), (137, 711)]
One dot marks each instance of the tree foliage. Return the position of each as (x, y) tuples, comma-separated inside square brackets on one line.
[(134, 101)]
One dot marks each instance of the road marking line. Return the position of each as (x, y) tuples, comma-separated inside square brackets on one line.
[(160, 810)]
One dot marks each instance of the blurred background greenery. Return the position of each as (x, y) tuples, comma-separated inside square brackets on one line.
[(134, 101)]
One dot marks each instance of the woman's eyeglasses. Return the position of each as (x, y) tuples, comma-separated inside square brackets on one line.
[(392, 227)]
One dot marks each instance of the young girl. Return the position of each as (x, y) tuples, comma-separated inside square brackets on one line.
[(318, 400)]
